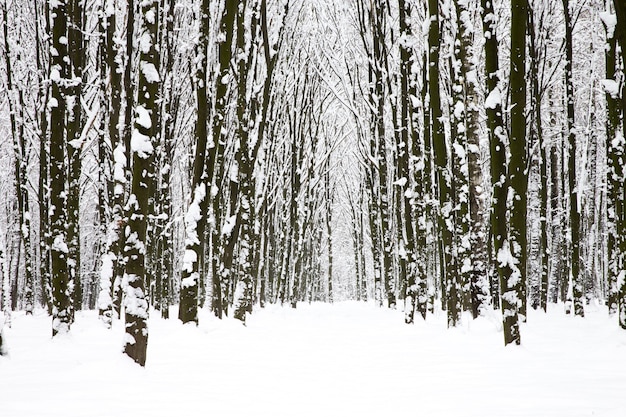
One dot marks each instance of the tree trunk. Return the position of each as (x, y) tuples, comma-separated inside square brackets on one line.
[(195, 219), (507, 268), (518, 172), (143, 143), (478, 285), (617, 152), (213, 164), (577, 277), (615, 170), (16, 117), (59, 73), (76, 50)]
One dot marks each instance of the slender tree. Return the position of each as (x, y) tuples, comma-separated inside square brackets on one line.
[(59, 73), (75, 140), (195, 219), (614, 171), (505, 264), (213, 163), (620, 31), (518, 172), (574, 214), (17, 120)]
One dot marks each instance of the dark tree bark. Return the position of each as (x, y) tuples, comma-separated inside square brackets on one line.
[(518, 172), (443, 171), (497, 138), (478, 285), (76, 50), (614, 172), (328, 200), (195, 219), (538, 134), (143, 143), (620, 196), (213, 163), (574, 214), (408, 205), (16, 118), (59, 73)]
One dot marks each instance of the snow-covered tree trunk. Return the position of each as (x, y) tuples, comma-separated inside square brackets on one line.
[(615, 149), (5, 285), (379, 24), (506, 265), (536, 48), (16, 119), (195, 218), (42, 64), (458, 280), (620, 144), (518, 174), (246, 116), (441, 155), (5, 310), (214, 162), (144, 140), (111, 268), (418, 200), (477, 242), (76, 51), (59, 73), (328, 205), (574, 214), (407, 201), (171, 106)]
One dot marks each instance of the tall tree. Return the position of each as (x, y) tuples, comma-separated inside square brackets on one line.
[(615, 148), (505, 264), (477, 239), (408, 202), (620, 31), (518, 172), (59, 74), (213, 163), (112, 262), (144, 140), (443, 171), (17, 120), (574, 214), (195, 219), (75, 140), (536, 49)]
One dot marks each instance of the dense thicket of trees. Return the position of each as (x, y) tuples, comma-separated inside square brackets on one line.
[(461, 155)]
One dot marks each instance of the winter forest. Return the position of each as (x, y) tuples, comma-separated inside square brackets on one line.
[(459, 162)]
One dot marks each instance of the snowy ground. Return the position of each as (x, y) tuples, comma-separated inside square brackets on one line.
[(349, 359)]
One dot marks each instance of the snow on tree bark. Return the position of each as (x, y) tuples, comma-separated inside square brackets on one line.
[(575, 201), (505, 264), (214, 161), (142, 145), (617, 146), (59, 73), (477, 244), (615, 149), (75, 140), (16, 119), (195, 219), (517, 172)]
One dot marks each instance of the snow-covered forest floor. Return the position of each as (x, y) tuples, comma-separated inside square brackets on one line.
[(347, 359)]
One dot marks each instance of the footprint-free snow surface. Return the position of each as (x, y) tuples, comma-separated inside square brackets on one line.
[(347, 359)]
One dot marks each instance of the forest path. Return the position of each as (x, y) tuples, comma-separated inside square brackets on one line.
[(347, 359)]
